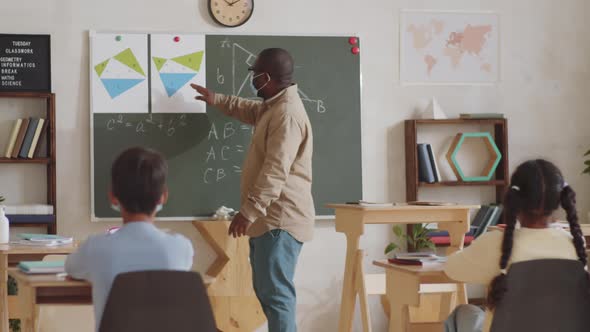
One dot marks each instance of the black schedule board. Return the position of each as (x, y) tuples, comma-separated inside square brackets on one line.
[(25, 63)]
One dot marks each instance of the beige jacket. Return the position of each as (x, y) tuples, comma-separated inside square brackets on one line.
[(276, 175)]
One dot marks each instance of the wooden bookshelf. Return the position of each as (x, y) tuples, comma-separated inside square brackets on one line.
[(49, 161), (500, 134), (25, 161)]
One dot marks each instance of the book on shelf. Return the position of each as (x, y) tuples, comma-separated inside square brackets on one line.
[(41, 267), (12, 138), (481, 116), (30, 209), (28, 140), (425, 171), (20, 137), (36, 137), (433, 163), (31, 218), (42, 141)]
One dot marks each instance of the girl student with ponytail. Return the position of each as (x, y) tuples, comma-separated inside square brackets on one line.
[(537, 189)]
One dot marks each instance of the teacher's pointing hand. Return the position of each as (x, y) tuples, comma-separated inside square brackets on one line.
[(206, 95)]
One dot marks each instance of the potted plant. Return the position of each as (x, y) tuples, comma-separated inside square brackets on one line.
[(417, 240)]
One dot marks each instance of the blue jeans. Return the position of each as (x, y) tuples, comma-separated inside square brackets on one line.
[(273, 257)]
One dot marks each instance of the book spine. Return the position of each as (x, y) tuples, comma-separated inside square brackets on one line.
[(13, 136), (433, 163), (37, 209), (42, 139), (36, 138), (28, 140), (425, 173), (30, 219), (20, 137)]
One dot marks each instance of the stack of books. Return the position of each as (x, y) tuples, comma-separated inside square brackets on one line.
[(417, 259), (427, 165), (25, 138), (488, 215), (40, 267), (43, 240)]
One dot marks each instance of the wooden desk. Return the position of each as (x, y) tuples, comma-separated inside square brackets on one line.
[(351, 220), (10, 255), (232, 296), (46, 289)]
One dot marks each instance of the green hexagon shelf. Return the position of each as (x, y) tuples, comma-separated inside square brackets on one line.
[(495, 156)]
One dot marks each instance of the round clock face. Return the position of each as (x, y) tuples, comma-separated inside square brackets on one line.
[(231, 13)]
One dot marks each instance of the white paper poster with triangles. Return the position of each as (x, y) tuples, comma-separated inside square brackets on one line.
[(176, 62), (119, 67)]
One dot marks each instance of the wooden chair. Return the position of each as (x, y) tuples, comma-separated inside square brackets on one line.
[(544, 295), (154, 301)]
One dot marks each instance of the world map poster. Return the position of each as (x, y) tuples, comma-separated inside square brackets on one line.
[(449, 47)]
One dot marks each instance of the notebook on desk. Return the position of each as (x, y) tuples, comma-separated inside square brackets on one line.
[(40, 267)]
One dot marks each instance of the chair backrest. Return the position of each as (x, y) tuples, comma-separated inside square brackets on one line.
[(545, 295), (150, 301)]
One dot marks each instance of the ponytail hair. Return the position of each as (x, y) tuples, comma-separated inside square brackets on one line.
[(498, 286)]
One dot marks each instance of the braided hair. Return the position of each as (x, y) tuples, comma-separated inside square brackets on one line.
[(536, 190)]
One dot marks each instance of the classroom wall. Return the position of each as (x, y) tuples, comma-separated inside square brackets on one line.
[(545, 74)]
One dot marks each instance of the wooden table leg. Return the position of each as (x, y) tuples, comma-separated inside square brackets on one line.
[(362, 291), (28, 321), (348, 285), (4, 325), (403, 290)]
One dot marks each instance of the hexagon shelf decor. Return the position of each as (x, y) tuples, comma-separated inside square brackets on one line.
[(495, 156)]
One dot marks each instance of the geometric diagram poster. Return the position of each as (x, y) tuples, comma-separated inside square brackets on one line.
[(119, 67), (176, 61), (449, 47)]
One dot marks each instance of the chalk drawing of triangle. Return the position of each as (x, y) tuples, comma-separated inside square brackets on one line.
[(243, 59), (175, 81)]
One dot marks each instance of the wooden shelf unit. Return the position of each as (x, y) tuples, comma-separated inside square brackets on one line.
[(500, 134), (49, 161)]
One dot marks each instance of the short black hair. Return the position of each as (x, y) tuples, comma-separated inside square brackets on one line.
[(138, 179)]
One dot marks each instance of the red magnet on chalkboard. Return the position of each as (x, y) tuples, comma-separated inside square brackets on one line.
[(118, 38), (355, 50), (176, 39), (352, 40)]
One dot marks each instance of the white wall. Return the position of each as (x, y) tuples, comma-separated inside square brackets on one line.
[(545, 74)]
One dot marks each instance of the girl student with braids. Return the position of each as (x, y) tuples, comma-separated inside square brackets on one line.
[(537, 189)]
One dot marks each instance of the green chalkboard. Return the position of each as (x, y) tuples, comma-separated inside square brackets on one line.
[(205, 151)]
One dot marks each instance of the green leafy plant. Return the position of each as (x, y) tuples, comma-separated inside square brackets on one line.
[(587, 163), (418, 239), (2, 199)]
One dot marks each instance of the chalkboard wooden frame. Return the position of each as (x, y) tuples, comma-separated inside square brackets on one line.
[(46, 86)]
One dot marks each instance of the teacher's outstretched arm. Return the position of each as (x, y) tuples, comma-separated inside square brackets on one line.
[(242, 109)]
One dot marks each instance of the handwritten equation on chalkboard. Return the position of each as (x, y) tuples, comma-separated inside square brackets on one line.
[(147, 125), (25, 63), (223, 150)]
